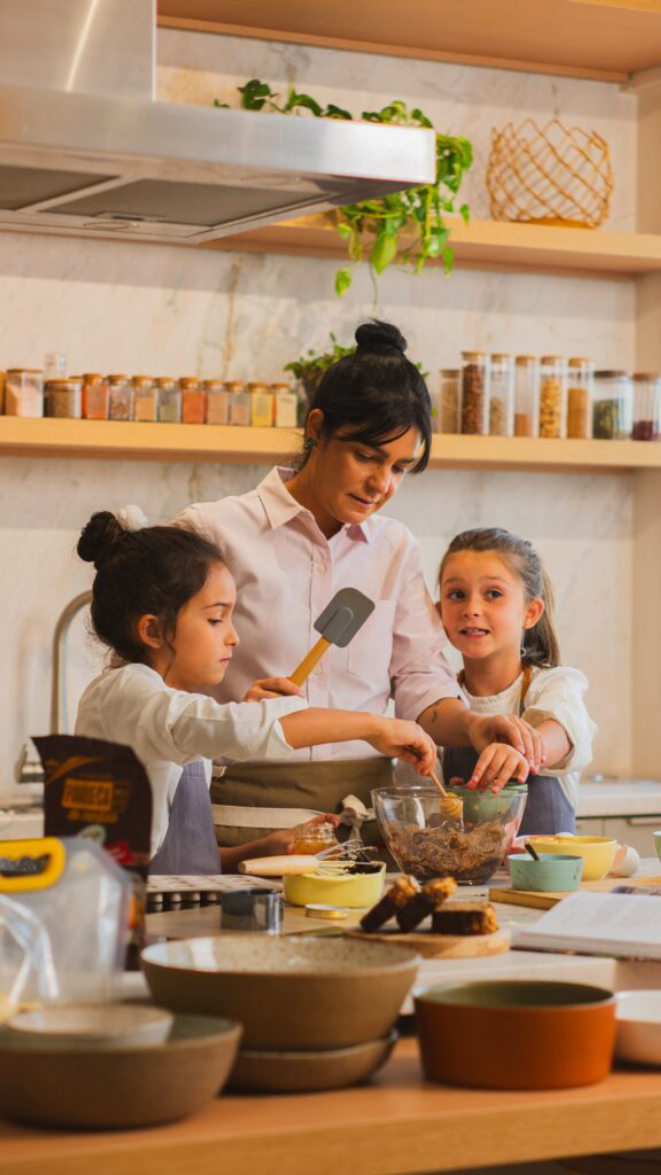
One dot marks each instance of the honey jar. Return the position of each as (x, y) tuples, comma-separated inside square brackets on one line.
[(314, 838)]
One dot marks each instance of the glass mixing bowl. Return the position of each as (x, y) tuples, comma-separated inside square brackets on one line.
[(425, 843)]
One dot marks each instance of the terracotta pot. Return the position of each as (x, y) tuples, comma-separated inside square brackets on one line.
[(516, 1034)]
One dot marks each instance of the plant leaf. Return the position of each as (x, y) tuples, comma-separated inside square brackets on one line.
[(384, 250), (342, 282)]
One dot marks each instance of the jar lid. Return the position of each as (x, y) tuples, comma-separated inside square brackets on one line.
[(214, 385), (449, 372), (142, 381), (283, 387), (163, 381), (578, 362), (188, 381), (117, 379), (472, 355), (646, 375), (610, 374), (257, 387), (63, 385), (93, 377), (524, 360), (320, 910), (25, 371), (552, 359), (499, 358), (234, 385)]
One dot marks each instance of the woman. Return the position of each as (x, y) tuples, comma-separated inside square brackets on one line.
[(298, 538)]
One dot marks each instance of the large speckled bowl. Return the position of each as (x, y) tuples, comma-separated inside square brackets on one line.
[(289, 993)]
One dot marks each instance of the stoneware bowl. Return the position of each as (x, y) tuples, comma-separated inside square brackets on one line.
[(598, 852), (118, 1088), (639, 1027), (84, 1026), (516, 1034), (294, 992), (294, 1072), (553, 873), (354, 891)]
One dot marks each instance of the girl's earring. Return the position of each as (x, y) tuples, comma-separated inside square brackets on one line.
[(310, 444)]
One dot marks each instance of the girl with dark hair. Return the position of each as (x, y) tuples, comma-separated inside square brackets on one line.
[(299, 537), (497, 608), (163, 601)]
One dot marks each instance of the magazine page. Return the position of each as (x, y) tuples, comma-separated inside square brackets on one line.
[(598, 923)]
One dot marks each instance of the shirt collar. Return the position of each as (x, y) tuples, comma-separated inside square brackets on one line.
[(281, 507)]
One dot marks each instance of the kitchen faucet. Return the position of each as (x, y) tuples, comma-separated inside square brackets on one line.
[(28, 767)]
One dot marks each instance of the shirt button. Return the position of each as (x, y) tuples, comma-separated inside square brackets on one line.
[(321, 567)]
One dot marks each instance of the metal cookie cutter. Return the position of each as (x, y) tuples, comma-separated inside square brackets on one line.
[(251, 909)]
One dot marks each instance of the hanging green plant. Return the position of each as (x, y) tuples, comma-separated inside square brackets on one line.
[(405, 226)]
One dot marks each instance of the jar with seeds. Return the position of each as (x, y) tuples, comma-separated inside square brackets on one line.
[(218, 399), (145, 398), (612, 406), (579, 394), (169, 400), (501, 396), (475, 393), (646, 406), (64, 398), (448, 419), (525, 396), (120, 398), (95, 396), (552, 410)]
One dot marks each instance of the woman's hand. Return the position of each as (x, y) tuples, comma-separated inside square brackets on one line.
[(273, 687), (497, 764), (405, 740), (508, 728), (282, 840)]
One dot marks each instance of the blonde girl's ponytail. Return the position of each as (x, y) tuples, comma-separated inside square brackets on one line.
[(541, 647)]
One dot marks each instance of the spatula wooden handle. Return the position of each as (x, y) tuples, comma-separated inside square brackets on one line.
[(308, 663)]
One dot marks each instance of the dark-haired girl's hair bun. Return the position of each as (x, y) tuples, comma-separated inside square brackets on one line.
[(99, 537), (380, 337)]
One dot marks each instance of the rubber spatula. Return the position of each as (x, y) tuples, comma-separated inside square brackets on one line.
[(338, 624)]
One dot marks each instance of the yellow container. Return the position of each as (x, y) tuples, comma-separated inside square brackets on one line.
[(354, 890), (598, 852)]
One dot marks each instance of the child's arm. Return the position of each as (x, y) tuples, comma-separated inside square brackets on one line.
[(281, 841), (497, 764), (451, 724), (391, 736)]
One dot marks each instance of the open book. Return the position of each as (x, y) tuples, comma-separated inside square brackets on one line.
[(627, 925)]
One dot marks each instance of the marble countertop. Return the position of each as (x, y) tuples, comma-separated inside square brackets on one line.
[(620, 797)]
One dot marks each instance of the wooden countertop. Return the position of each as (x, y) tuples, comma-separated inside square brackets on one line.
[(396, 1125)]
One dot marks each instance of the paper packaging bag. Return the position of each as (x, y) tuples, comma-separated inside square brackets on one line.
[(100, 790)]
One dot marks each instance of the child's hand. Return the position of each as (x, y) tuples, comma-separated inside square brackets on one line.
[(273, 687), (282, 840), (497, 764), (405, 740), (509, 728)]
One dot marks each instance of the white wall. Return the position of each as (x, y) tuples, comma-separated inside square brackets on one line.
[(116, 306)]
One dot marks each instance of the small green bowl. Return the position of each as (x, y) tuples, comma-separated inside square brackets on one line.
[(553, 873), (657, 844)]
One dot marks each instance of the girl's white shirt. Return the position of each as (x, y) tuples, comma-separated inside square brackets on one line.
[(555, 694), (168, 728)]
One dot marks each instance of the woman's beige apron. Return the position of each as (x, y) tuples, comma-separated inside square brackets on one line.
[(251, 801)]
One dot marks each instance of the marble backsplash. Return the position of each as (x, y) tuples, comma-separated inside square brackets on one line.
[(116, 306)]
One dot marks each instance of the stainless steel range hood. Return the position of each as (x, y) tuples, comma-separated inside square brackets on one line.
[(85, 150)]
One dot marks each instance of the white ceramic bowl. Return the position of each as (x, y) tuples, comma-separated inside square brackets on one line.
[(638, 1018), (85, 1026)]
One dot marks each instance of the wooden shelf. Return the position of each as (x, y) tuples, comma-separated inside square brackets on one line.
[(606, 39), (481, 244), (118, 440)]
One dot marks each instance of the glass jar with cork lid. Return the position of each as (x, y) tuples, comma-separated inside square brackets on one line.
[(95, 396), (501, 396), (612, 406), (579, 399), (169, 399), (218, 398), (239, 402), (262, 405), (193, 400), (145, 398), (475, 393), (646, 406), (286, 405), (120, 398), (552, 397), (24, 392), (525, 396), (64, 398), (448, 419)]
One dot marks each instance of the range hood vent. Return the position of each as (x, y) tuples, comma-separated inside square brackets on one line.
[(86, 151)]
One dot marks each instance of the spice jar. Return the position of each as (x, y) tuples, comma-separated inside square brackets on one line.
[(646, 406), (525, 396), (145, 398), (64, 398), (193, 401), (612, 406), (552, 396), (120, 398), (286, 405), (501, 396), (579, 396), (313, 838), (262, 405), (168, 400), (218, 398), (448, 418), (474, 393), (239, 403), (24, 392), (95, 396)]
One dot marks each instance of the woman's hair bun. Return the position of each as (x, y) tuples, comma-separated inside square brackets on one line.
[(99, 537), (380, 337)]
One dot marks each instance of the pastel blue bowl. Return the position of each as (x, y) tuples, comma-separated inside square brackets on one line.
[(553, 873), (657, 844)]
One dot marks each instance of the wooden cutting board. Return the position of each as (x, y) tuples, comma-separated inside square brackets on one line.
[(539, 900), (436, 946)]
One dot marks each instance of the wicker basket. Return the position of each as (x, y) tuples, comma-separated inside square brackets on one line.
[(553, 175)]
